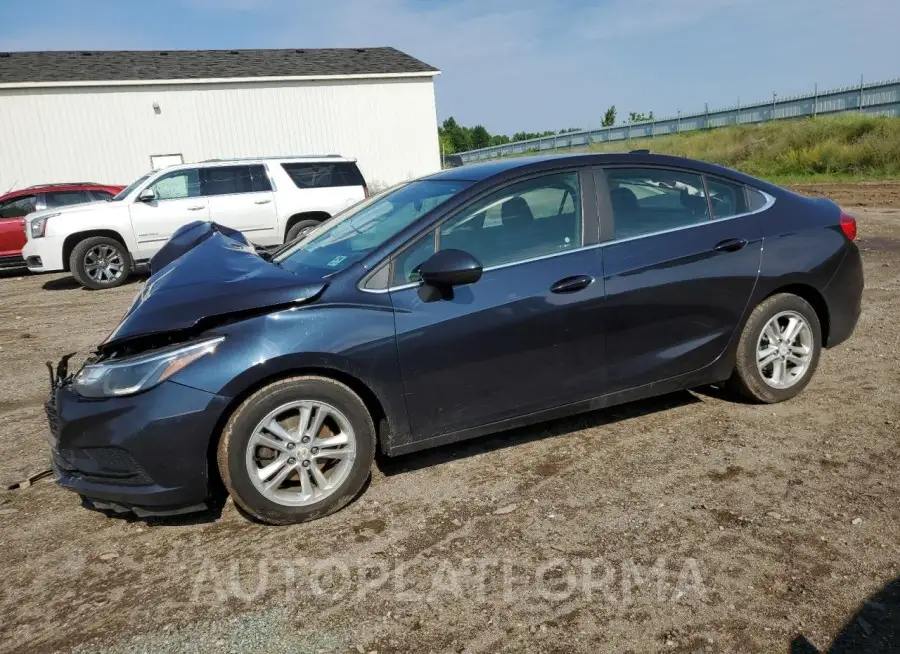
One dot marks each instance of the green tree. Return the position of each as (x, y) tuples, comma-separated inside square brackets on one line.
[(480, 137), (460, 137), (609, 118)]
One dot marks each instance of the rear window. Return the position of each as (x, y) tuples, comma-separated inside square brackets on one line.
[(324, 174)]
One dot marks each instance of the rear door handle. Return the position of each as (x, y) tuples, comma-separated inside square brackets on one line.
[(195, 208), (730, 245), (572, 284), (261, 201)]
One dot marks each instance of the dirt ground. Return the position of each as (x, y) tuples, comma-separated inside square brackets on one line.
[(689, 523)]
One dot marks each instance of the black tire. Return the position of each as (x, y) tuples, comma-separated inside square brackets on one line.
[(77, 263), (235, 439), (747, 380), (300, 227)]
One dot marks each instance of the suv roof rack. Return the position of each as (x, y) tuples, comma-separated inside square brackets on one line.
[(284, 156)]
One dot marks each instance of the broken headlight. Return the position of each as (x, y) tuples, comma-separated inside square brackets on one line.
[(113, 378)]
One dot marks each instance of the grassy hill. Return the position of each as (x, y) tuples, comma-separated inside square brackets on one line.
[(846, 147)]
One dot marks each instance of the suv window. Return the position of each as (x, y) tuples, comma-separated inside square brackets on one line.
[(648, 200), (228, 180), (530, 219), (17, 207), (177, 185), (324, 174), (63, 198), (727, 198)]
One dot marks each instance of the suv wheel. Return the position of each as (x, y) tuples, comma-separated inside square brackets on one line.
[(778, 351), (100, 262), (301, 228), (297, 450)]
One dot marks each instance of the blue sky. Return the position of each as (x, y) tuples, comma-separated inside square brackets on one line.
[(520, 64)]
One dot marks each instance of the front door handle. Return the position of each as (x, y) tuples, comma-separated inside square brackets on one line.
[(261, 201), (572, 284), (730, 245), (195, 208)]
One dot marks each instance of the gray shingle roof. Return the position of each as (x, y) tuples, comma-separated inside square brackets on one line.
[(120, 65)]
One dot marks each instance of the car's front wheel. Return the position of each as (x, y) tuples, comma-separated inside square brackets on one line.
[(100, 262), (301, 228), (778, 351), (297, 449)]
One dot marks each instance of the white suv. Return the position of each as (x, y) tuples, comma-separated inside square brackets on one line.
[(270, 200)]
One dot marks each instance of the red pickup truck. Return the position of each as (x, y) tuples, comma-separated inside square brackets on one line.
[(15, 205)]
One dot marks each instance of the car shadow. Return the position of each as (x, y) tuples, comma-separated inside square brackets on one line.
[(874, 629), (417, 460), (69, 283), (7, 273)]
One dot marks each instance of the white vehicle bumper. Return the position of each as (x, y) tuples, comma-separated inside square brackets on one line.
[(44, 254)]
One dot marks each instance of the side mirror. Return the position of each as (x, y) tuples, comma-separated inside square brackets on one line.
[(447, 268), (147, 195)]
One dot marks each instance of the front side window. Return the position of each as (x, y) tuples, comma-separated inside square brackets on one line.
[(63, 198), (178, 185), (530, 219), (347, 238), (649, 200), (128, 190), (17, 207), (726, 198)]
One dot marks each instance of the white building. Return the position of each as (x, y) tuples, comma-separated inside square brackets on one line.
[(111, 116)]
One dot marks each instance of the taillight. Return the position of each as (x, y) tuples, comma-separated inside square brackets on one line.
[(848, 225)]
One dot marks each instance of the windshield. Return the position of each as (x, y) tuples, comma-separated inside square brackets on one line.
[(125, 192), (345, 239)]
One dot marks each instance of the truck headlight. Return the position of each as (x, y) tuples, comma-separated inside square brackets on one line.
[(135, 374), (39, 225)]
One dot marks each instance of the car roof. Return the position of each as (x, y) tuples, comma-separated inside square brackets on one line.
[(61, 186), (496, 167)]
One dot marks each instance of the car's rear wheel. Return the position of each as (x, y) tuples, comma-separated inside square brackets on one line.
[(778, 351), (297, 450), (301, 228), (100, 262)]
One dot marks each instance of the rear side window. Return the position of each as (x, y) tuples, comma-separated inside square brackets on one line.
[(755, 199), (17, 207), (63, 198), (260, 179), (727, 198), (100, 195), (649, 200), (324, 174), (226, 180)]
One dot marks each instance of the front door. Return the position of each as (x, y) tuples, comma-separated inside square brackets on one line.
[(679, 271), (12, 225), (179, 201), (241, 197), (527, 335)]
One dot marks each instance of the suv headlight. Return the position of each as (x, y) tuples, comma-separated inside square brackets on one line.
[(140, 373), (39, 225)]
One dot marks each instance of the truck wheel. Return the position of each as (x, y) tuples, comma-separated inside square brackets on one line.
[(301, 228), (100, 262), (296, 450)]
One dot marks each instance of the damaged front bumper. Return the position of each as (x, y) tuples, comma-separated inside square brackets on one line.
[(148, 453)]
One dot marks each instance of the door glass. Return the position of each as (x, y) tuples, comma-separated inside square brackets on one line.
[(260, 179), (226, 180), (648, 200), (727, 198), (406, 263), (63, 198), (178, 185), (17, 207), (101, 195), (530, 219)]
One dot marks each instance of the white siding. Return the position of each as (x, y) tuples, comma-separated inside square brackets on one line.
[(107, 134)]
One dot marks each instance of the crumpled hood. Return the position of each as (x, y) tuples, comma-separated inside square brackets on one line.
[(209, 275)]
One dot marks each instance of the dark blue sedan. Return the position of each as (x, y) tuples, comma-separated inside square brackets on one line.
[(460, 304)]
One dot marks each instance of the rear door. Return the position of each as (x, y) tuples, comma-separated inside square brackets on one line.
[(528, 335), (241, 197), (12, 224), (179, 201), (679, 270)]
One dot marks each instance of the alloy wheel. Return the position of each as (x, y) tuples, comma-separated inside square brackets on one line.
[(103, 263), (784, 350)]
